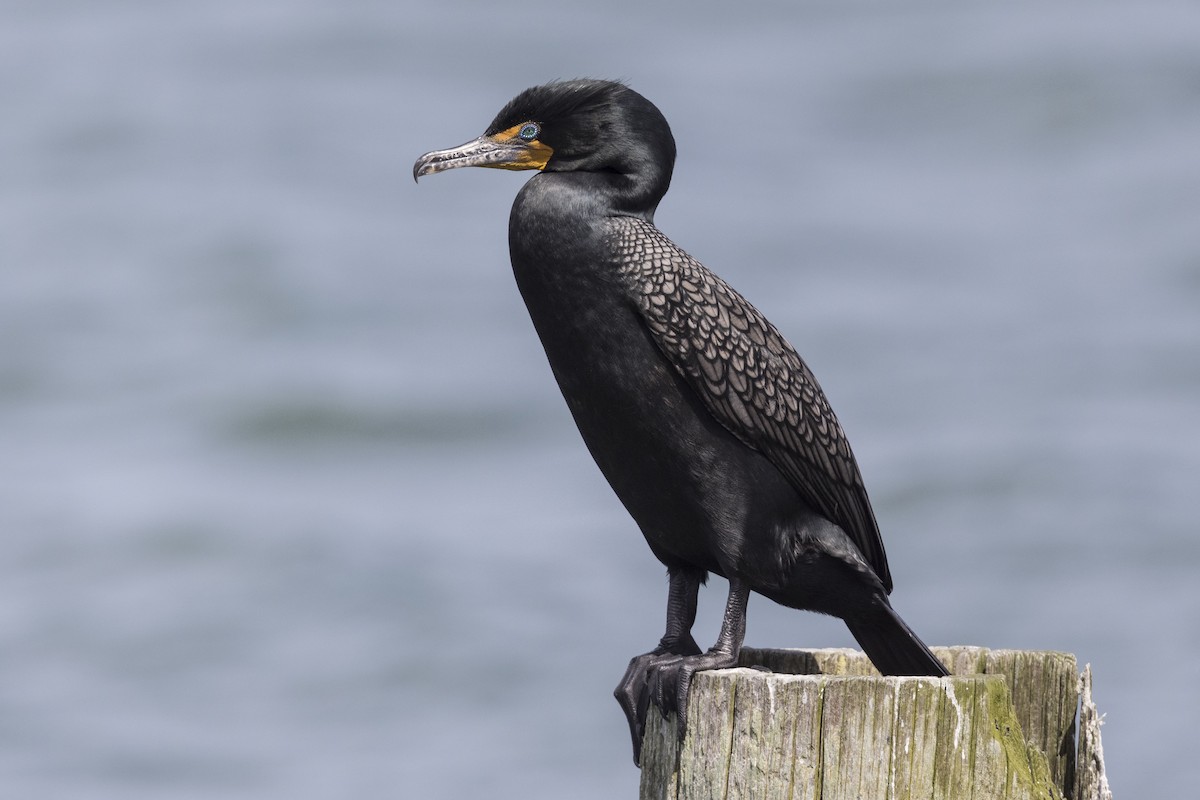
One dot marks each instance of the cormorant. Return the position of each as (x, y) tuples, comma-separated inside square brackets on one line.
[(707, 424)]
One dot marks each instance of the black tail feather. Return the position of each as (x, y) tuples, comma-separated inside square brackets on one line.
[(892, 646)]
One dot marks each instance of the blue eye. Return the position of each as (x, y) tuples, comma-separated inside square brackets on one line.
[(529, 131)]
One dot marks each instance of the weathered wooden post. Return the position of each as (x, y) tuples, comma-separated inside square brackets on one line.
[(823, 725)]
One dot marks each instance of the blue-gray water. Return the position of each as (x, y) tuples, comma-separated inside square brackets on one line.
[(290, 506)]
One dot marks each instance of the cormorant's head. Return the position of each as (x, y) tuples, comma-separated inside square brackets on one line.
[(573, 126)]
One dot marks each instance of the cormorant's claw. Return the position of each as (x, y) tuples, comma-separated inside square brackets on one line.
[(663, 679), (634, 692), (632, 698)]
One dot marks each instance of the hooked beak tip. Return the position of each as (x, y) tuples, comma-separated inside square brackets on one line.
[(423, 167)]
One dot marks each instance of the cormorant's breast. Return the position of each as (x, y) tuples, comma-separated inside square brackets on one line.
[(690, 484)]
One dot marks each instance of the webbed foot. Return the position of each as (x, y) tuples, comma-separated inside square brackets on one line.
[(664, 679)]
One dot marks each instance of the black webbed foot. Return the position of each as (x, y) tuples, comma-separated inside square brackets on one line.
[(664, 676), (669, 682), (663, 679), (633, 693)]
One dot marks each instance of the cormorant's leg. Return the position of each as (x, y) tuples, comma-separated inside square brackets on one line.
[(669, 680), (632, 692)]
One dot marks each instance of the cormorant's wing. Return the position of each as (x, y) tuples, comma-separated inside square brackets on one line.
[(749, 377)]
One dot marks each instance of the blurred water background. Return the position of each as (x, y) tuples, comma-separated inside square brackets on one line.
[(290, 505)]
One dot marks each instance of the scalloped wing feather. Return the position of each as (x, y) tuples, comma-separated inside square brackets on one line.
[(749, 377)]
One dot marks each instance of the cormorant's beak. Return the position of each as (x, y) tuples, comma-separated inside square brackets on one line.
[(503, 150)]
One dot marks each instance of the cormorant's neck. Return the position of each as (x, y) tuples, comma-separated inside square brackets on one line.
[(638, 195), (638, 181), (604, 193)]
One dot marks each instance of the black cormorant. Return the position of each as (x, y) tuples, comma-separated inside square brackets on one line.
[(708, 425)]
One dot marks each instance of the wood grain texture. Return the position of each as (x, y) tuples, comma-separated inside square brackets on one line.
[(823, 725)]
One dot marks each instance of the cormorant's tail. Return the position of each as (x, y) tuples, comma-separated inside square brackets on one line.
[(892, 646)]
